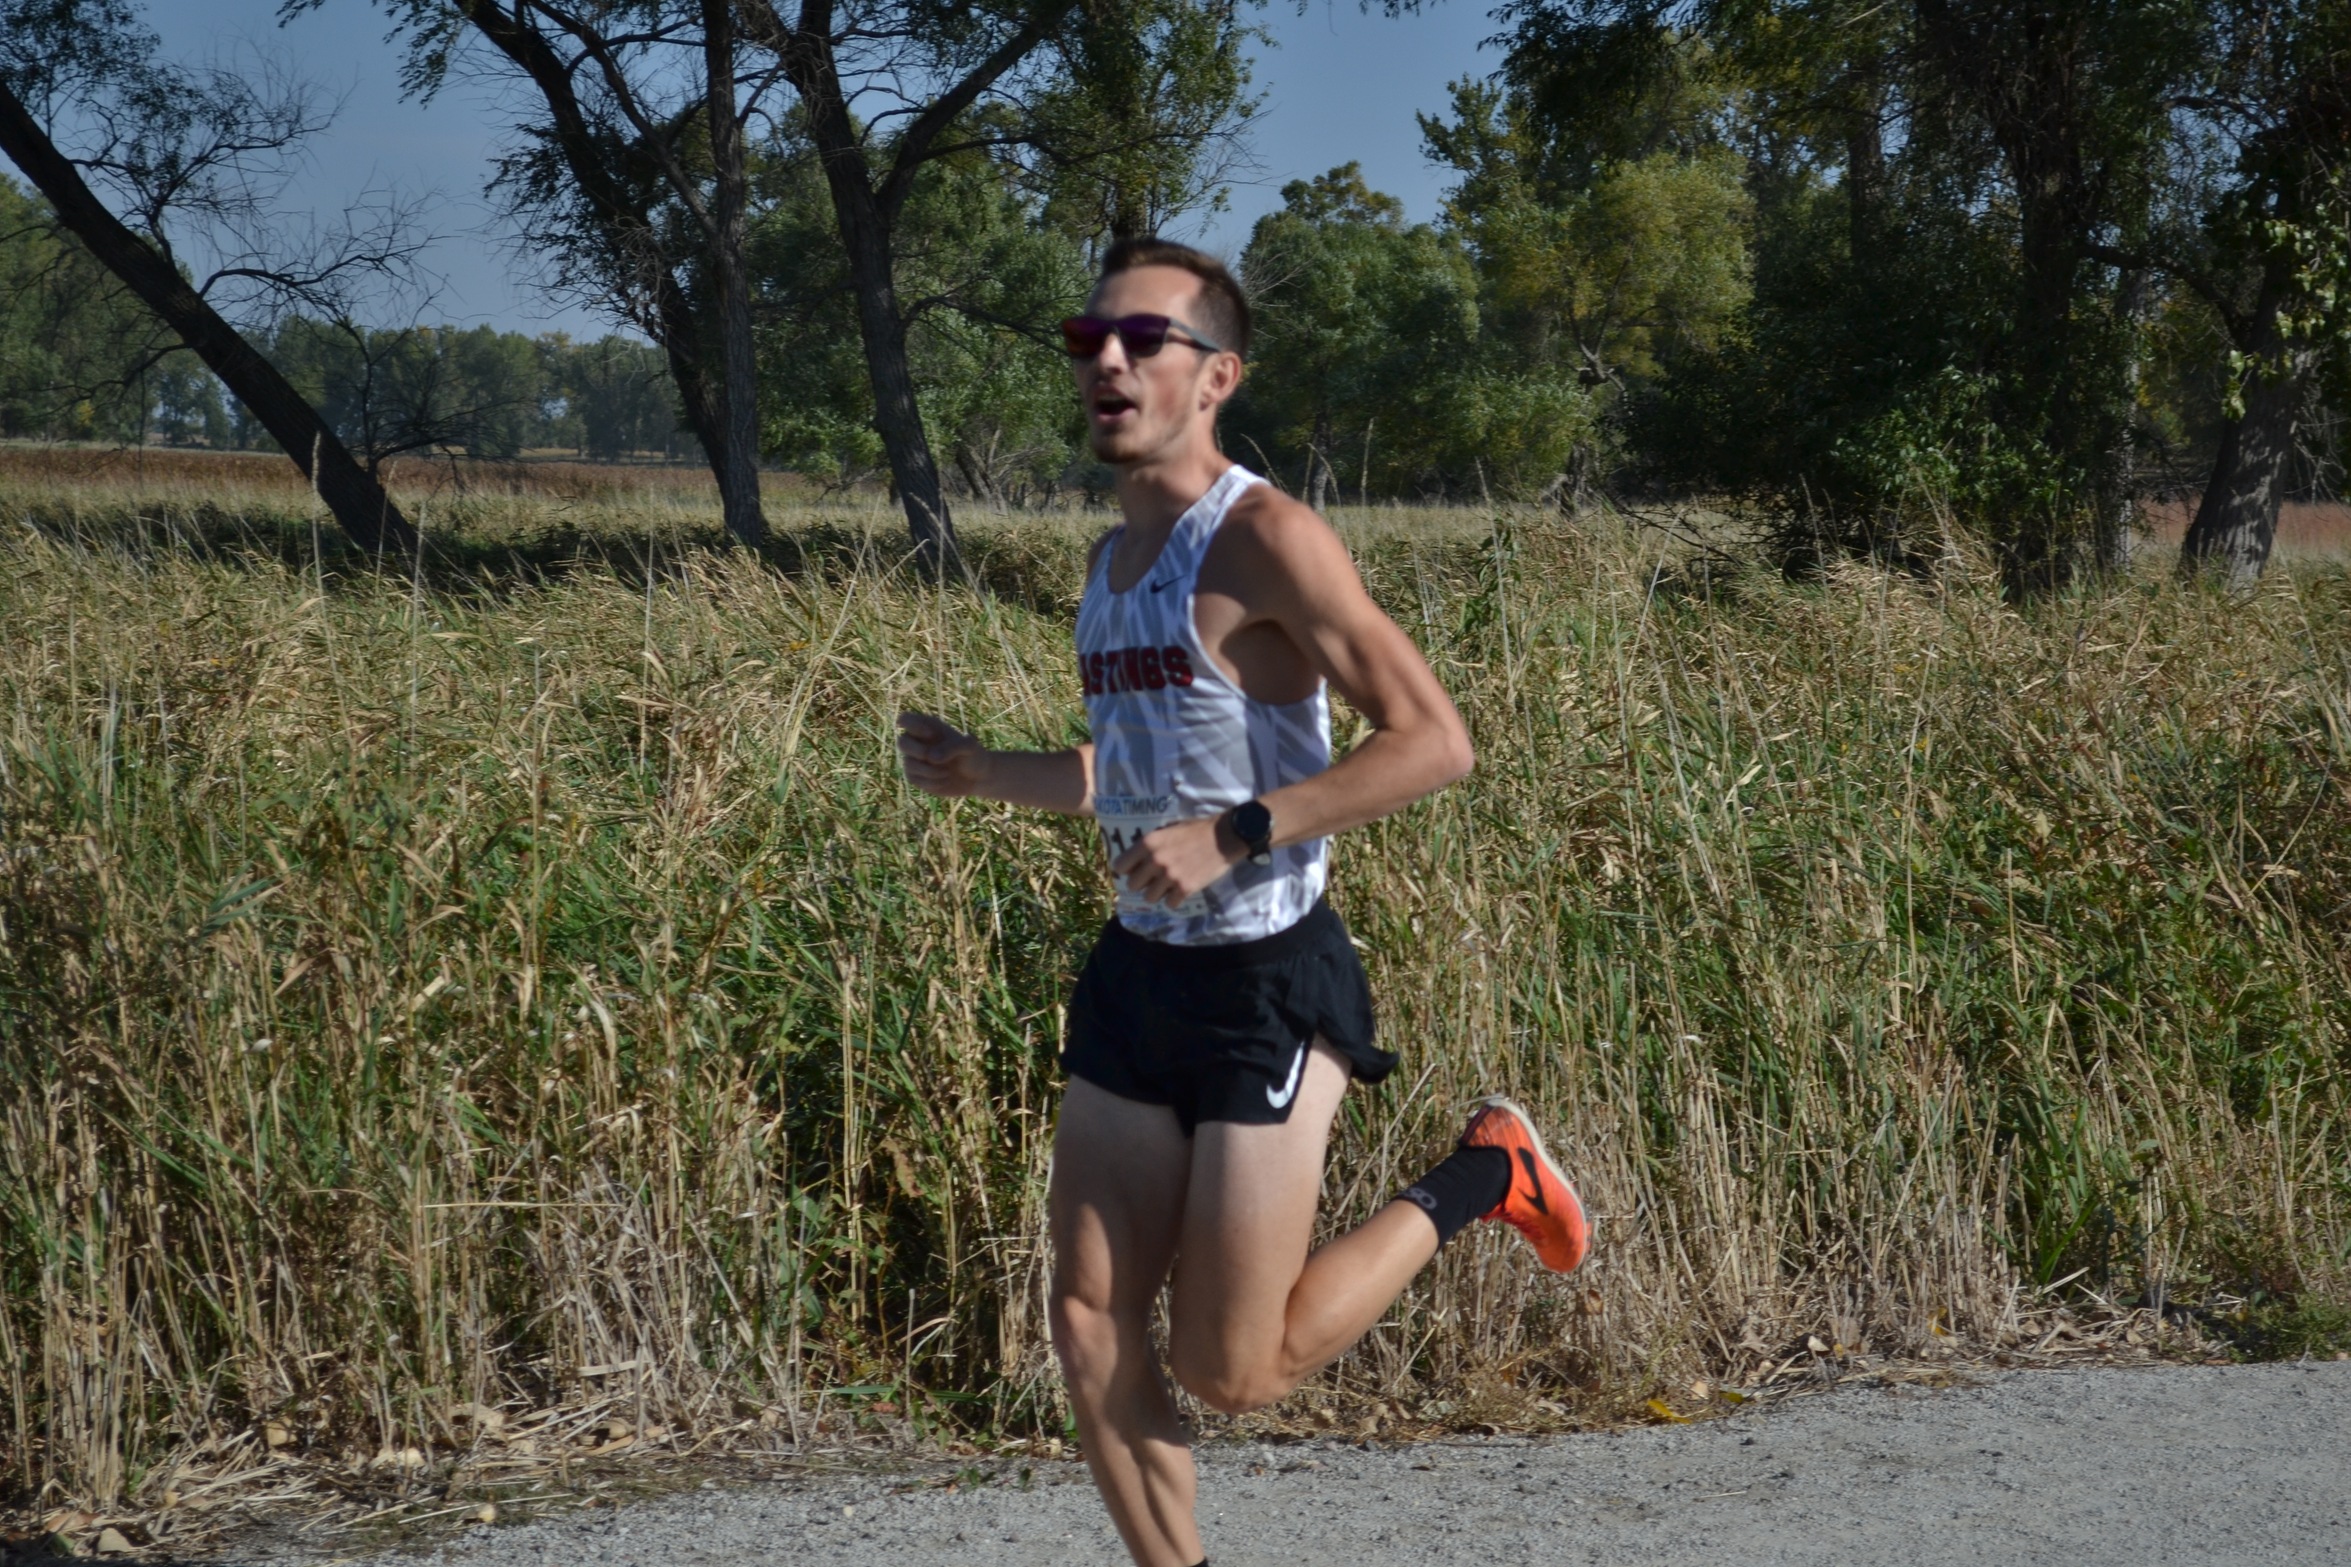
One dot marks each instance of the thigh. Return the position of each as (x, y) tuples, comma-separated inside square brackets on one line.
[(1248, 1223), (1120, 1169)]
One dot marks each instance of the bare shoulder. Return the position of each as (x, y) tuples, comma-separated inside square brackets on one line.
[(1277, 539)]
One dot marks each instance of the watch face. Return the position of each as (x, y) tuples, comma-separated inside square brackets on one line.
[(1253, 825)]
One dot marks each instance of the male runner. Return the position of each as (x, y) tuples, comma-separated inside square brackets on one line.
[(1215, 1027)]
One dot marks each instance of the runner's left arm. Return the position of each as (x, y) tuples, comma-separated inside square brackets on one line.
[(1301, 579)]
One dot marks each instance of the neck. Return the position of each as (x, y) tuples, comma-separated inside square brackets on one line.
[(1155, 491)]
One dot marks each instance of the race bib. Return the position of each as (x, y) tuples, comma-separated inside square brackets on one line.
[(1125, 819)]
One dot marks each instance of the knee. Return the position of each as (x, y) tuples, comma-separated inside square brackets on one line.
[(1226, 1387)]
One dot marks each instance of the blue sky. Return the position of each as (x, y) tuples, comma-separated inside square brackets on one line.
[(1338, 85)]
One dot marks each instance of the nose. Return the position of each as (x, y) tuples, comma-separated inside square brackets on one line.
[(1113, 357)]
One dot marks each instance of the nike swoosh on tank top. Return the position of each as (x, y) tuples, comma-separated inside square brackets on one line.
[(1175, 739)]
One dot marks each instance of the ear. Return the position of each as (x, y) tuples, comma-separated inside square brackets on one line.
[(1220, 377)]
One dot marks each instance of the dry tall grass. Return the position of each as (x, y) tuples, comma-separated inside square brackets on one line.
[(423, 1000)]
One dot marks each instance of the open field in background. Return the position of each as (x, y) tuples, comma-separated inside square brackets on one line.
[(102, 475), (200, 484), (2307, 530), (518, 1013)]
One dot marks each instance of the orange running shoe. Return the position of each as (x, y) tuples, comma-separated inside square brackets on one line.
[(1540, 1204)]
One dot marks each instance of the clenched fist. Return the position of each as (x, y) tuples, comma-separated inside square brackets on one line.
[(939, 759), (1177, 860)]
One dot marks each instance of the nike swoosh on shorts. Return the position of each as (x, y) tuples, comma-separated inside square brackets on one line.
[(1281, 1101)]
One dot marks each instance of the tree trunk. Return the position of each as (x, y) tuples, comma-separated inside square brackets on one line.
[(2031, 72), (897, 416), (360, 506), (979, 477), (2237, 521), (896, 413), (696, 398), (1318, 463), (2118, 506), (865, 215), (864, 221), (615, 180), (1865, 164), (2041, 550), (737, 457)]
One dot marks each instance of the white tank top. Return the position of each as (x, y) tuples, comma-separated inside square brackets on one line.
[(1175, 739)]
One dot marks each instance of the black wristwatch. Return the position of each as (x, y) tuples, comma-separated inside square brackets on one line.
[(1253, 825)]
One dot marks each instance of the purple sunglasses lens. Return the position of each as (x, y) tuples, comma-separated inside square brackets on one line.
[(1083, 336)]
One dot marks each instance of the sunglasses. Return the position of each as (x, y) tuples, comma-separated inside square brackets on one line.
[(1143, 336)]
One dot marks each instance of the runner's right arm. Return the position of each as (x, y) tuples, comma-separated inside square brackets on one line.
[(944, 761)]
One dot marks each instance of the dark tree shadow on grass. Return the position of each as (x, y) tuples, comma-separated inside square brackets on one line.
[(1033, 569)]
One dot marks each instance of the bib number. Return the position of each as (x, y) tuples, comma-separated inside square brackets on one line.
[(1127, 820)]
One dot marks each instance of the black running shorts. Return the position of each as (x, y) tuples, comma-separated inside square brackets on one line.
[(1220, 1033)]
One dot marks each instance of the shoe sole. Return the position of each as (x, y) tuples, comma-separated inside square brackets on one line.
[(1591, 1227)]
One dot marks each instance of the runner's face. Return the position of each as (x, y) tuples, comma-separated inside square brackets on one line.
[(1137, 409)]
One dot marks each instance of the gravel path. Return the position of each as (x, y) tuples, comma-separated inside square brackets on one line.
[(2174, 1464)]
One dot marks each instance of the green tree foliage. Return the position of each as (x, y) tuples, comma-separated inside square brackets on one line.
[(616, 396), (2262, 239), (166, 176), (78, 357), (1578, 263), (2065, 103), (1140, 127), (1115, 114), (2002, 263), (1877, 271), (1853, 396), (80, 360), (1608, 256), (1373, 363), (992, 241), (189, 408), (478, 391), (981, 271), (2009, 265)]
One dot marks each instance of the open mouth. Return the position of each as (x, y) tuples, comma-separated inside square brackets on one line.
[(1109, 404)]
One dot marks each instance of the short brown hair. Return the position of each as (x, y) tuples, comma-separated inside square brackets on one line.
[(1224, 309)]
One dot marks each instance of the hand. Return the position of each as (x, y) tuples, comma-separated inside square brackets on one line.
[(940, 760), (1177, 860)]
